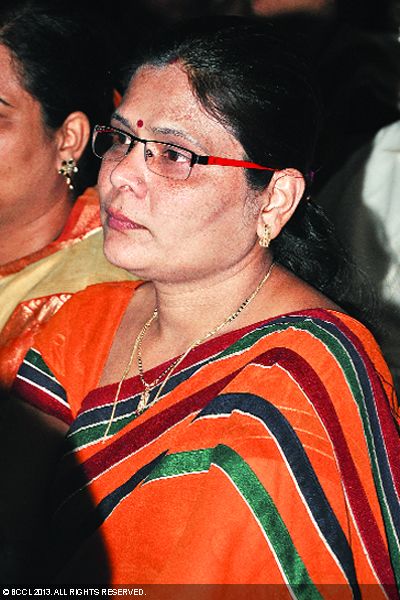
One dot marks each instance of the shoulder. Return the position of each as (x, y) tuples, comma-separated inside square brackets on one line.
[(93, 309), (328, 341), (85, 325), (317, 371), (69, 351), (331, 329), (336, 350), (96, 297)]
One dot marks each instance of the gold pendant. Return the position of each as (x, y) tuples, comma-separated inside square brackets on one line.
[(144, 398)]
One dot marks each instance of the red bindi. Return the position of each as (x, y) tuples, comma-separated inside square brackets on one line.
[(139, 123)]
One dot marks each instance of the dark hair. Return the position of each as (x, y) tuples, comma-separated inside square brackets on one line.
[(253, 76), (61, 59)]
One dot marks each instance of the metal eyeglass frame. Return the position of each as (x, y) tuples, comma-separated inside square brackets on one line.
[(196, 158)]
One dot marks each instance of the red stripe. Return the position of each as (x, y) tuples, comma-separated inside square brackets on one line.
[(41, 400), (316, 393), (386, 420), (136, 438), (132, 385)]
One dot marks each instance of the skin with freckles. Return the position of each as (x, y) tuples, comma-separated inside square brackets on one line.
[(194, 241)]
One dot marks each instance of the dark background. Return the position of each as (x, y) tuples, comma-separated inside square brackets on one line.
[(354, 45)]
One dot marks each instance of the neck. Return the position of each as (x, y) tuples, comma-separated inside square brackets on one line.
[(187, 312), (22, 237)]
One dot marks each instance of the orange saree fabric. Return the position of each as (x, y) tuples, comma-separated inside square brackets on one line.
[(34, 287), (271, 456)]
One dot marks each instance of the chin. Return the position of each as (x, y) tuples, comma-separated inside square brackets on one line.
[(124, 258), (118, 259)]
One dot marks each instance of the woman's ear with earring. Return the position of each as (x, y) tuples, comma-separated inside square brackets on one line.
[(73, 137), (278, 203)]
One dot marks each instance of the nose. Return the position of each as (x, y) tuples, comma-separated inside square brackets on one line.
[(130, 171)]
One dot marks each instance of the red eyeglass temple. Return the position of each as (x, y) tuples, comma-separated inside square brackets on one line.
[(231, 162)]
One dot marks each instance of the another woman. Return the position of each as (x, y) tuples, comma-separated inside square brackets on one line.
[(230, 422), (53, 85)]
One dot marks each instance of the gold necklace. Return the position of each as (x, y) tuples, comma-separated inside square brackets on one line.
[(137, 349)]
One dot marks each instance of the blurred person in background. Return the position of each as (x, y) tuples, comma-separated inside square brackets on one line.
[(359, 181), (54, 85)]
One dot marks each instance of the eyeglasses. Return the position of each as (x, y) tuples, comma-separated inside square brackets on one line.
[(162, 158)]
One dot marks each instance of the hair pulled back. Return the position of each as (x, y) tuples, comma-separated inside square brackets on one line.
[(253, 76), (61, 60)]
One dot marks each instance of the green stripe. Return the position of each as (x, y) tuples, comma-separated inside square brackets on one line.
[(34, 358), (345, 362), (349, 369), (332, 343), (92, 433), (182, 463), (258, 500)]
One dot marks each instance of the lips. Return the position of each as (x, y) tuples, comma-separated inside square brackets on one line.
[(120, 222)]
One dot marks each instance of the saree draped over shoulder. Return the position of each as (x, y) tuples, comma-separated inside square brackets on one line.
[(34, 287), (270, 457)]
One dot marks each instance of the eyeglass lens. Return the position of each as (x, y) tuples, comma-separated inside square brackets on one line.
[(161, 158)]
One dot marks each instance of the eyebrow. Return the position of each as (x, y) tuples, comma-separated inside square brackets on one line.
[(162, 130), (117, 117), (180, 134)]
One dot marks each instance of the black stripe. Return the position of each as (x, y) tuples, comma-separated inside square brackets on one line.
[(301, 467)]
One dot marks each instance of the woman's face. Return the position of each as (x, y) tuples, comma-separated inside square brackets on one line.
[(28, 155), (163, 229)]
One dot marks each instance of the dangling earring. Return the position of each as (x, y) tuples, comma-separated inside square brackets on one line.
[(265, 239), (67, 169)]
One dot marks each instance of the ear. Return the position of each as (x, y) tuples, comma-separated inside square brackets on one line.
[(280, 200), (73, 136)]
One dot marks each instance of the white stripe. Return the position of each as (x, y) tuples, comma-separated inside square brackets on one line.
[(48, 392)]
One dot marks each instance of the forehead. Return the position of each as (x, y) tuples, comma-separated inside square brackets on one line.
[(162, 98), (166, 90), (11, 88), (8, 73)]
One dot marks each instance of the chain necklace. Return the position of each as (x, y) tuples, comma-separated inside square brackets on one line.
[(166, 374)]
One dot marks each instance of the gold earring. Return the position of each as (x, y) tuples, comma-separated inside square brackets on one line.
[(67, 169), (265, 239)]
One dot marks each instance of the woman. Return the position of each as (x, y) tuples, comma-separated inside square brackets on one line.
[(53, 83), (230, 423)]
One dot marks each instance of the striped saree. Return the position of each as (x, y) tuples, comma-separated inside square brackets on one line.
[(271, 456)]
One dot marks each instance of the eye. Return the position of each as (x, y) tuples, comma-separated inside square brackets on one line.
[(123, 139), (109, 143), (115, 139), (174, 154)]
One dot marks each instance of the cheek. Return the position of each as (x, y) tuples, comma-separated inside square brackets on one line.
[(211, 216), (182, 215), (16, 155), (223, 203), (26, 161), (103, 176), (104, 185), (200, 199)]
